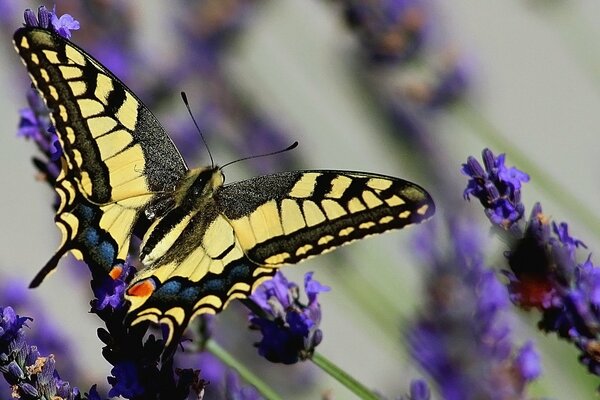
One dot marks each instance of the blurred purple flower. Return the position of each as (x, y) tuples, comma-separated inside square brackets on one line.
[(289, 328), (452, 82), (35, 125), (462, 339), (235, 390), (419, 390), (389, 30), (47, 336)]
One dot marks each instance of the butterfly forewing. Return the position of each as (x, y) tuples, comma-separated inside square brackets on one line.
[(287, 217), (116, 154), (114, 146)]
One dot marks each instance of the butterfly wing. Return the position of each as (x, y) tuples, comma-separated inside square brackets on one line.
[(82, 232), (288, 217), (248, 229), (203, 270), (117, 156)]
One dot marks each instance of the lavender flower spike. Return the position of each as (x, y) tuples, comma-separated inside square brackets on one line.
[(29, 374), (62, 25), (289, 328), (498, 188), (544, 273)]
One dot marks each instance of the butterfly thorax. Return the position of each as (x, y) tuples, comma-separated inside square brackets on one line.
[(192, 195)]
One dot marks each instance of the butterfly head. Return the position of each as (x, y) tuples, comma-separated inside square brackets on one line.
[(200, 183)]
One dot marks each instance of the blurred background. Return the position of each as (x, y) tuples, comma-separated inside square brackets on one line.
[(410, 93)]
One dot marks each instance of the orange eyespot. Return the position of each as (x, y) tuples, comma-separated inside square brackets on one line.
[(116, 272), (142, 289)]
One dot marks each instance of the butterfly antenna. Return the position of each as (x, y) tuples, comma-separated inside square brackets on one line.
[(290, 147), (187, 105)]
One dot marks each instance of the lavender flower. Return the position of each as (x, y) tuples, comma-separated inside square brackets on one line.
[(47, 335), (137, 371), (29, 373), (62, 25), (498, 188), (544, 272), (463, 341), (452, 82), (289, 328), (109, 290), (35, 125)]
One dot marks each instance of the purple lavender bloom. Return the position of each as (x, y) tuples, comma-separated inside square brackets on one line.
[(29, 374), (289, 328), (544, 272), (451, 84), (498, 188), (109, 290), (35, 125), (28, 124), (47, 336), (463, 340), (62, 25)]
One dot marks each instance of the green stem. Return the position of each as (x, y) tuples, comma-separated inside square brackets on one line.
[(344, 378), (245, 373), (544, 181)]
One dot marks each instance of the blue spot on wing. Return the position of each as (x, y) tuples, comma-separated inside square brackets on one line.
[(182, 292)]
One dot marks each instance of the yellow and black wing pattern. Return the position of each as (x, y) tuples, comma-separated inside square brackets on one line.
[(116, 155), (204, 243), (201, 258)]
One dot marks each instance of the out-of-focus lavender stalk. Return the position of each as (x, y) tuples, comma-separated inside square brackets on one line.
[(395, 35), (462, 339)]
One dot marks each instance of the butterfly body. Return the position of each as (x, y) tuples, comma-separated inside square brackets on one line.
[(204, 243)]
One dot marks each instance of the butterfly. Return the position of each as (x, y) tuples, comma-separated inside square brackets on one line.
[(204, 243)]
